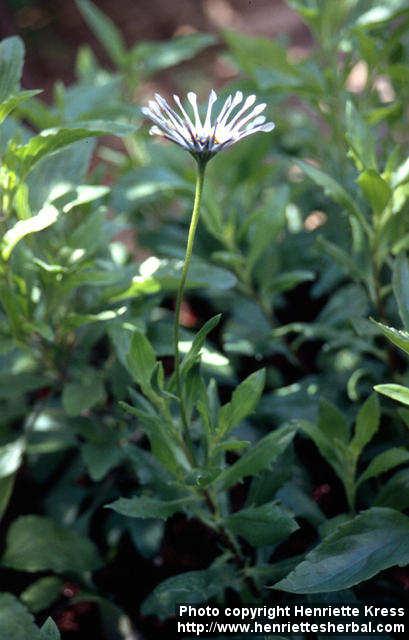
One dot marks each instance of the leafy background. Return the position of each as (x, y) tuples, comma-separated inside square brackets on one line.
[(295, 324)]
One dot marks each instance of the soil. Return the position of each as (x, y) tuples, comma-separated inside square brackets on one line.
[(53, 30)]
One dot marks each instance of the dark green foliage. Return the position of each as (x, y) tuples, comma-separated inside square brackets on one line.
[(297, 308)]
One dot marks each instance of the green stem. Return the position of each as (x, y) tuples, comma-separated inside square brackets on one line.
[(201, 166)]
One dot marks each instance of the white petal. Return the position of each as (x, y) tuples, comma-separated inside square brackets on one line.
[(188, 121), (247, 104), (238, 97), (255, 112), (193, 101), (224, 109), (157, 119), (256, 122), (264, 127), (172, 115), (207, 124), (155, 131)]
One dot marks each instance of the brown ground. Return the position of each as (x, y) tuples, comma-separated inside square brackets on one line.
[(53, 30)]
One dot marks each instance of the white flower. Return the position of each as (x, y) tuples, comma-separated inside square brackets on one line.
[(204, 139)]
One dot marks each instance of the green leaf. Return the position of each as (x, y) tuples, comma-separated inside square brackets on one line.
[(400, 283), (81, 396), (260, 456), (49, 630), (384, 462), (192, 587), (332, 422), (11, 65), (367, 424), (302, 505), (13, 101), (58, 174), (155, 56), (16, 623), (264, 525), (254, 54), (100, 458), (397, 337), (54, 139), (10, 457), (146, 184), (331, 187), (36, 544), (394, 391), (266, 225), (165, 276), (42, 593), (45, 218), (360, 139), (290, 279), (375, 189), (193, 355), (395, 493), (145, 507), (359, 549), (6, 489), (164, 445), (105, 30), (141, 360), (344, 259), (333, 450), (243, 402), (380, 12)]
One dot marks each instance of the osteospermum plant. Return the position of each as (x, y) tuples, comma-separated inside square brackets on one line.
[(237, 118)]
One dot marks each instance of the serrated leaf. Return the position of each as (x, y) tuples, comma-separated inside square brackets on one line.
[(260, 456), (367, 424), (141, 359), (332, 422), (394, 391), (145, 507), (16, 623), (359, 549), (49, 630), (384, 462), (190, 587), (397, 337), (36, 544), (243, 402), (267, 524)]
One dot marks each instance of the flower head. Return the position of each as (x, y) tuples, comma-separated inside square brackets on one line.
[(203, 139)]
